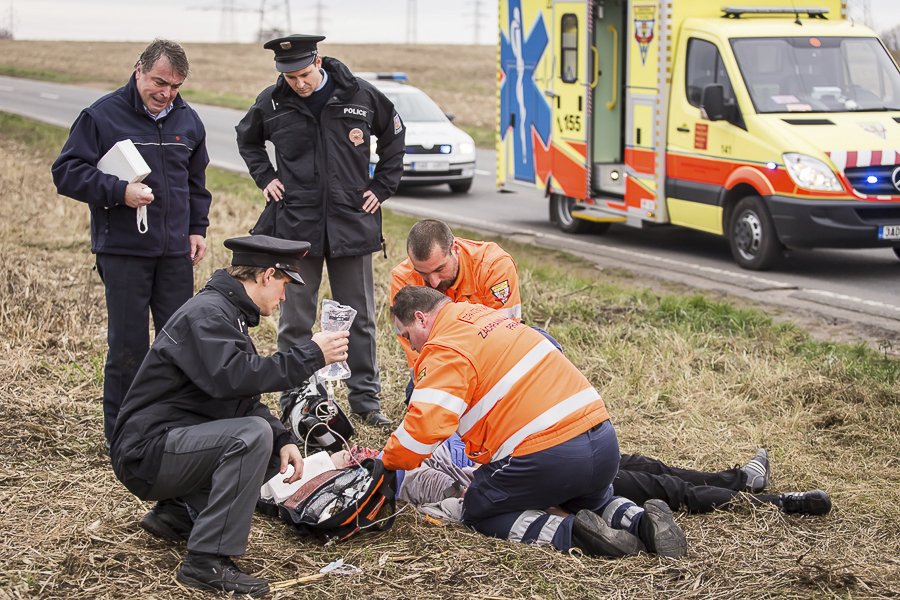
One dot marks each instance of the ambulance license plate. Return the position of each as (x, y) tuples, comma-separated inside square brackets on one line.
[(430, 166), (889, 232)]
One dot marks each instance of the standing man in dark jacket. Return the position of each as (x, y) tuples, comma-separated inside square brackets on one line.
[(143, 269), (192, 432), (321, 118)]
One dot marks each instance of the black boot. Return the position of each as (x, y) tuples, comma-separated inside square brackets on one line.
[(659, 531), (169, 520), (815, 502), (592, 534), (214, 572)]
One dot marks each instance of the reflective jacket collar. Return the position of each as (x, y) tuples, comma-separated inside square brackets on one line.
[(234, 291)]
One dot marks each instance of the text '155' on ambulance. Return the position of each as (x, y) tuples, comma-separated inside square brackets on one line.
[(774, 127)]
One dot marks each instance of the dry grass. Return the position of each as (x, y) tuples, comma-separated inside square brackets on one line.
[(233, 74), (686, 380)]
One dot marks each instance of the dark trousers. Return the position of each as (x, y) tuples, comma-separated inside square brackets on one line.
[(217, 468), (350, 279), (641, 478), (136, 287), (573, 475)]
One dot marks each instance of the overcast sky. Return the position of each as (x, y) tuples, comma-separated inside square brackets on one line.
[(343, 21)]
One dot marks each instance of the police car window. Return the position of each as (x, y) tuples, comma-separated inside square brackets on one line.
[(705, 67), (414, 106), (569, 48)]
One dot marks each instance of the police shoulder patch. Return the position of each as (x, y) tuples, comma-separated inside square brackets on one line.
[(501, 291), (398, 124)]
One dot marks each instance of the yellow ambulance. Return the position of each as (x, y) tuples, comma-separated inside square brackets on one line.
[(775, 126)]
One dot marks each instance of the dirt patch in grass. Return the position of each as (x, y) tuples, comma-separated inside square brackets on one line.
[(688, 379)]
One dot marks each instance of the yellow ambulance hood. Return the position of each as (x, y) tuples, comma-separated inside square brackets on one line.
[(850, 139)]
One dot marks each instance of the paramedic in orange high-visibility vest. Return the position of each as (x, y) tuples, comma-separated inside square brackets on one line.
[(535, 423), (463, 270)]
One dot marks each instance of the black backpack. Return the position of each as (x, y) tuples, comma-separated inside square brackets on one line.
[(339, 504)]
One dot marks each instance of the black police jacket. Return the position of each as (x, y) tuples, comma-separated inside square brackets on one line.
[(202, 367), (324, 163), (174, 148)]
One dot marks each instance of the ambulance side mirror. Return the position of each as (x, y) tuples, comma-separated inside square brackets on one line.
[(712, 103)]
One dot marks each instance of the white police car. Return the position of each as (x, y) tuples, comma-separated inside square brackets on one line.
[(437, 151)]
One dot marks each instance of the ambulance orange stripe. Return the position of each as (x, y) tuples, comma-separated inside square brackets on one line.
[(569, 177), (642, 161), (714, 172)]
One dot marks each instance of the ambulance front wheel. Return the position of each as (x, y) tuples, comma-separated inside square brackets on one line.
[(751, 234), (897, 251), (561, 214)]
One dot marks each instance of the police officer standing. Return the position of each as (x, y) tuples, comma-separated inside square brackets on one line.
[(192, 432), (321, 119)]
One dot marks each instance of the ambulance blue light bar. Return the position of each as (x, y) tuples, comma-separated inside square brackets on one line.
[(735, 12)]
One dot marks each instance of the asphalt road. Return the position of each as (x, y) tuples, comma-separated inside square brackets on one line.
[(856, 290)]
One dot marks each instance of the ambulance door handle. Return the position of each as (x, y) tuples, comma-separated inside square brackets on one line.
[(684, 129), (615, 64), (596, 78)]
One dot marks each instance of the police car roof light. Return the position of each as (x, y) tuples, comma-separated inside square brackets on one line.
[(398, 76)]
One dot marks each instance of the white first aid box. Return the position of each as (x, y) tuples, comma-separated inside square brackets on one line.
[(125, 162)]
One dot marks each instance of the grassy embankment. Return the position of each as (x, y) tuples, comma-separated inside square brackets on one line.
[(687, 379)]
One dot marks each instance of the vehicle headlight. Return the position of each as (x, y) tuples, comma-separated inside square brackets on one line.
[(811, 173), (466, 148)]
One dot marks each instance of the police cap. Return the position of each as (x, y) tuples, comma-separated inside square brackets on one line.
[(265, 251), (294, 52)]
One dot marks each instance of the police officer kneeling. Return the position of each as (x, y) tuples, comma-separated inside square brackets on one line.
[(193, 434)]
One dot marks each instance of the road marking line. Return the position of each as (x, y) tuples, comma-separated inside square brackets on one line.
[(482, 172), (7, 88), (751, 282), (49, 96)]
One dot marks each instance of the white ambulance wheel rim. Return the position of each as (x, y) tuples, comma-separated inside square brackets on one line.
[(748, 234), (564, 210)]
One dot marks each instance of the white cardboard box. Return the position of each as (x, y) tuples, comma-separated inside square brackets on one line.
[(125, 162), (314, 464)]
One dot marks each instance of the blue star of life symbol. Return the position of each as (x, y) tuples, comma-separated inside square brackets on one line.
[(523, 108)]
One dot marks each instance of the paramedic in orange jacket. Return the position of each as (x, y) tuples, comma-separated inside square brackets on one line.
[(531, 418), (463, 270)]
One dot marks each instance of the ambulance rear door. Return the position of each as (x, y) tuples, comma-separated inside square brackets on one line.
[(570, 95)]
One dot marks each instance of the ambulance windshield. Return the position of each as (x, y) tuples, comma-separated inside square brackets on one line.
[(818, 74)]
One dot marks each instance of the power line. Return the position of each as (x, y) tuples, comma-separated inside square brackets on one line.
[(478, 19), (412, 21), (274, 19)]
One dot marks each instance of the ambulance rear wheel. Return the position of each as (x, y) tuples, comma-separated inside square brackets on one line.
[(561, 214), (751, 234), (897, 251)]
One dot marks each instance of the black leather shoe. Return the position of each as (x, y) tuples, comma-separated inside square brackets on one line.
[(816, 502), (169, 520), (376, 418), (659, 531), (591, 533), (214, 572)]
